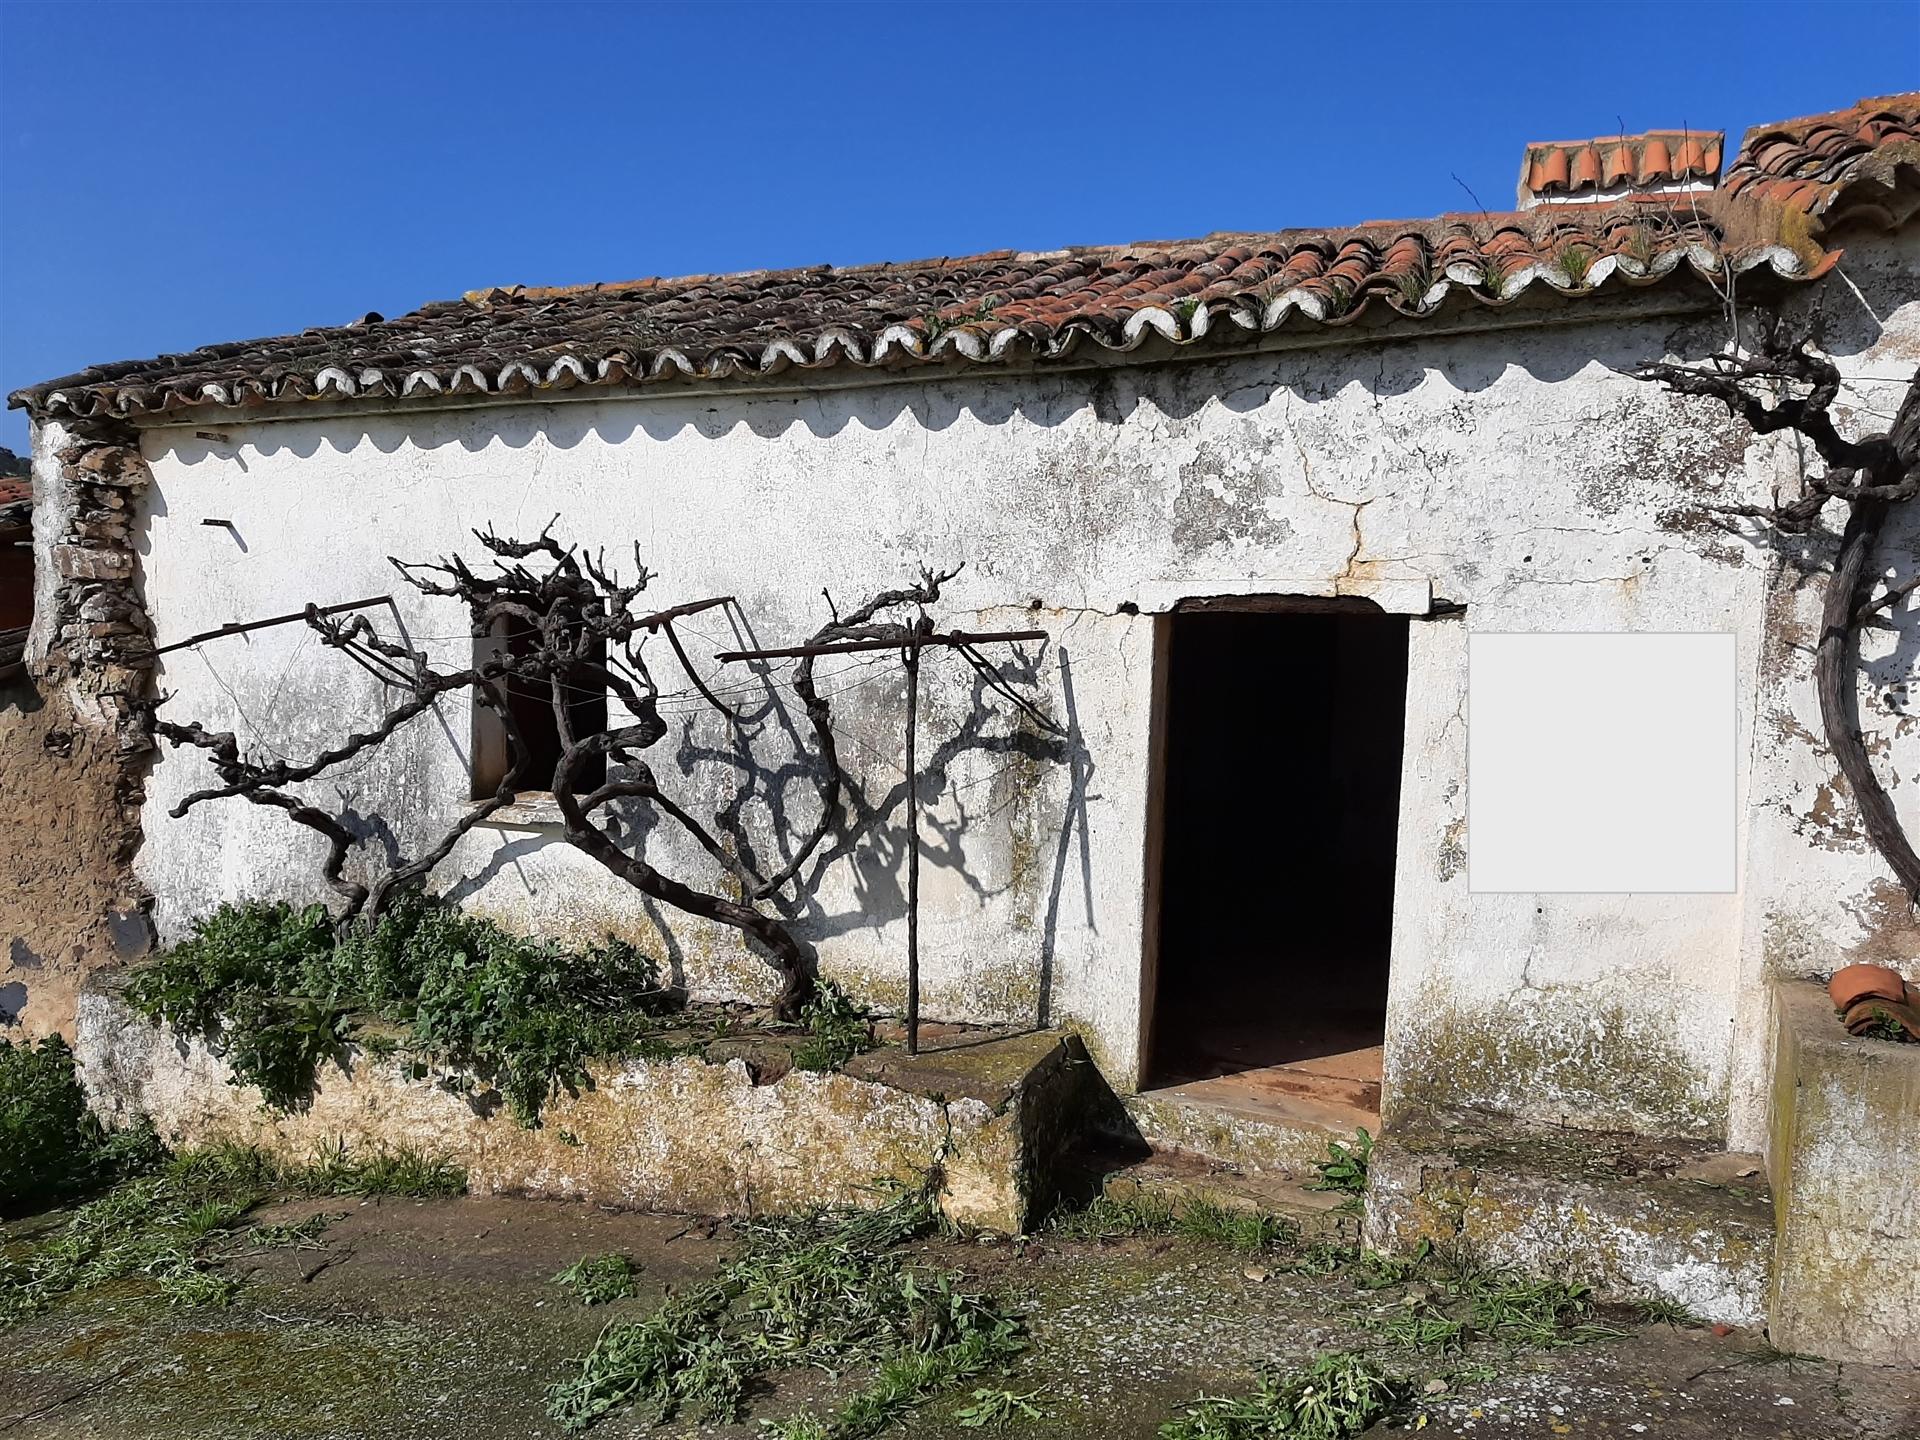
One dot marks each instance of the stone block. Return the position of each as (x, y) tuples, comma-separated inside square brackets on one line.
[(1632, 1217), (1846, 1186), (78, 562)]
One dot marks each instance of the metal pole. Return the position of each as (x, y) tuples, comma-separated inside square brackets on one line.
[(913, 851), (242, 628)]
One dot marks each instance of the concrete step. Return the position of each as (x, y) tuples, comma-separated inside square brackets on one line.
[(1631, 1215), (1258, 1122), (1178, 1180)]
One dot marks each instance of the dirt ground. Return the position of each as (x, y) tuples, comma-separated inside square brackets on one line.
[(429, 1320)]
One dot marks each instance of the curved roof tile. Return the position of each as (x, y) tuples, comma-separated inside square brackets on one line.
[(1003, 306)]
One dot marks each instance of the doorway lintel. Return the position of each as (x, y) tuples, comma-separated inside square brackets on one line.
[(1393, 597)]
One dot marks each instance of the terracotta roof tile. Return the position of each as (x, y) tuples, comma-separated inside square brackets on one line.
[(1001, 306), (1556, 169), (1812, 163)]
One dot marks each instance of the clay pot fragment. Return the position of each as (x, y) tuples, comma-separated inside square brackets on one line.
[(1866, 982), (1883, 1019)]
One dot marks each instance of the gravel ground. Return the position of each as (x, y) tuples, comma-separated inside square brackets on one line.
[(433, 1320)]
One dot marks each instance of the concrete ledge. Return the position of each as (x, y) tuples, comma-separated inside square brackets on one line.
[(693, 1135), (1846, 1186), (1632, 1216)]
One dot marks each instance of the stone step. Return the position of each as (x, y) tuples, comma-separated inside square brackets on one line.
[(1255, 1123), (1630, 1215), (1178, 1180)]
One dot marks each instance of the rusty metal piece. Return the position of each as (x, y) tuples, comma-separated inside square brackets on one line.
[(241, 628)]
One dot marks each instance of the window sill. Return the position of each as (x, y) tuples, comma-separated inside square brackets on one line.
[(533, 810)]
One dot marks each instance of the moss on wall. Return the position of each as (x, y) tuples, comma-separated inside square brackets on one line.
[(1604, 1067)]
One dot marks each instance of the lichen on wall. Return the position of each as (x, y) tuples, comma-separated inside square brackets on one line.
[(1579, 1058)]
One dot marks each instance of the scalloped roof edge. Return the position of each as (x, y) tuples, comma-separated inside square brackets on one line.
[(515, 342)]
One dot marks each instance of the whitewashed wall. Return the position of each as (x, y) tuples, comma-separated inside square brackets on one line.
[(1512, 471)]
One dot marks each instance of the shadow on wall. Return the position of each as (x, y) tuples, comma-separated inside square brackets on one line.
[(759, 778)]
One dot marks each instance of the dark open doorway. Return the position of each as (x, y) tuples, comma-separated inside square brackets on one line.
[(1282, 731)]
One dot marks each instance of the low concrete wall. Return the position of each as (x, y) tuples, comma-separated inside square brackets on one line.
[(1846, 1187), (686, 1135)]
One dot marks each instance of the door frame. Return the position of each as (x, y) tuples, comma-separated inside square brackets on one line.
[(1164, 629)]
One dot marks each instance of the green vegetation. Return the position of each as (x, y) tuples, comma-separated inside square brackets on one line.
[(1455, 1303), (1345, 1167), (51, 1146), (938, 324), (1108, 1217), (177, 1222), (1200, 1218), (402, 1170), (998, 1408), (838, 1028), (1338, 1396), (599, 1279), (1529, 1311), (1576, 261), (1658, 1310), (1884, 1026), (1413, 284), (829, 1289), (278, 993), (1233, 1227)]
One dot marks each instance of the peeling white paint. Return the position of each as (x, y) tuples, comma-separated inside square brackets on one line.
[(1514, 473)]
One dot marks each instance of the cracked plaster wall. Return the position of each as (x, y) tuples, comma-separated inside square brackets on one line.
[(1513, 472)]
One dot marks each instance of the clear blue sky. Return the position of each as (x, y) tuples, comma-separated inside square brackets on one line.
[(177, 174)]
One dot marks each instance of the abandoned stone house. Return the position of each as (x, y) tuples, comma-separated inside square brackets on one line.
[(1258, 491)]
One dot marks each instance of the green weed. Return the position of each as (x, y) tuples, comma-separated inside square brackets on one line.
[(402, 1170), (804, 1426), (828, 1289), (599, 1279), (1323, 1257), (938, 324), (1659, 1310), (1336, 1397), (1372, 1270), (174, 1223), (1419, 1327), (289, 1235), (1883, 1026), (1213, 1222), (272, 987), (1528, 1310), (1413, 284), (52, 1148), (1345, 1167), (1108, 1217), (1576, 261), (998, 1408), (838, 1028)]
